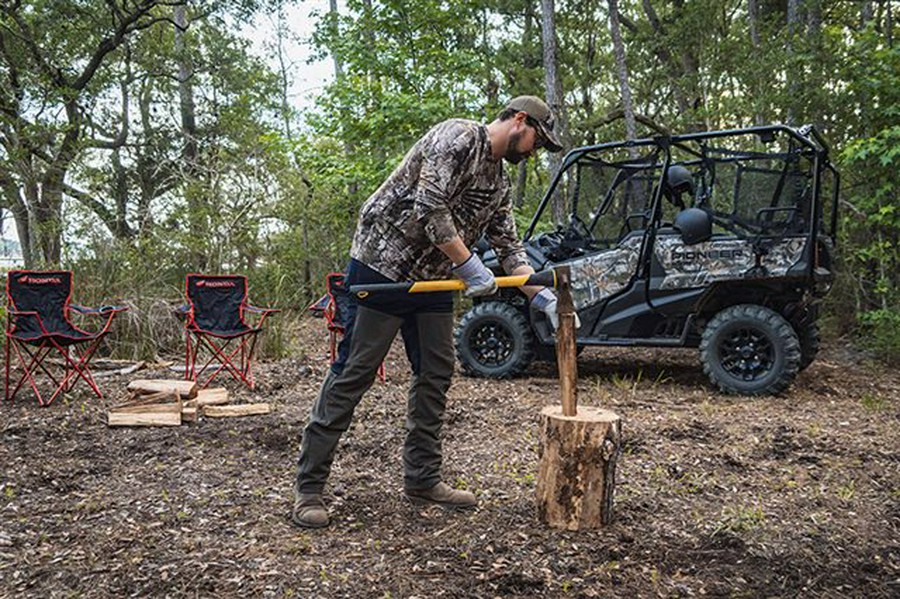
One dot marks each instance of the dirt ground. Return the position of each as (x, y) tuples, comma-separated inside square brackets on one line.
[(792, 496)]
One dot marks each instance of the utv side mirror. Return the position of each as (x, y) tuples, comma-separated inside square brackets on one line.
[(694, 224)]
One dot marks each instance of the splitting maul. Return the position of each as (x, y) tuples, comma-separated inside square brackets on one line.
[(545, 278)]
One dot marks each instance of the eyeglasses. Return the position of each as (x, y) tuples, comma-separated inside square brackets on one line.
[(539, 139)]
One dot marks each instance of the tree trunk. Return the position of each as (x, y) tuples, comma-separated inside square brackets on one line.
[(662, 52), (529, 61), (866, 13), (185, 89), (49, 206), (332, 26), (189, 154), (753, 24), (554, 98), (49, 216), (793, 20), (622, 69), (146, 169)]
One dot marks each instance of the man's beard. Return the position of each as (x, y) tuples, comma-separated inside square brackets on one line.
[(512, 154)]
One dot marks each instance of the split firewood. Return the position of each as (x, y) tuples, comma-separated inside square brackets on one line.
[(249, 409), (189, 414), (149, 408), (186, 389), (144, 418), (157, 414), (138, 399), (210, 397)]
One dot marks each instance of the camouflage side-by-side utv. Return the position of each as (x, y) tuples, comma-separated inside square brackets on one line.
[(720, 240)]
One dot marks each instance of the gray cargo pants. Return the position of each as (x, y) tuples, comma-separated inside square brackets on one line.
[(429, 347)]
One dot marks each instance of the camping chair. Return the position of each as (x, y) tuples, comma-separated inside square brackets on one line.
[(336, 306), (38, 326), (214, 318)]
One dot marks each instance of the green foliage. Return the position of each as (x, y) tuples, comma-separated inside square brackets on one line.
[(881, 332)]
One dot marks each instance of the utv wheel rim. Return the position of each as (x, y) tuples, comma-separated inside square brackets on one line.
[(747, 354), (492, 344)]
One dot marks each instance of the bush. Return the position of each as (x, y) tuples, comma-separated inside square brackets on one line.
[(881, 333)]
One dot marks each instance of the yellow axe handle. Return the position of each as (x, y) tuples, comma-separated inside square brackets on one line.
[(546, 278)]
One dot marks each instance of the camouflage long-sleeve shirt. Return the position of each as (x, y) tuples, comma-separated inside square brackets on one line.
[(448, 184)]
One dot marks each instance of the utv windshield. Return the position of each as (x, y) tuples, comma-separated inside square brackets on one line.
[(611, 198)]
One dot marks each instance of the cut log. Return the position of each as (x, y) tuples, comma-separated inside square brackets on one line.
[(157, 408), (186, 389), (248, 409), (210, 397), (144, 419), (577, 467)]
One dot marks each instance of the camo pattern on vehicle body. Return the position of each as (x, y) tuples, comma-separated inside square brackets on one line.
[(597, 277), (721, 260)]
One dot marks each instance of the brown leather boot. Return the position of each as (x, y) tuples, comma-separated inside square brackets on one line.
[(443, 495), (309, 511)]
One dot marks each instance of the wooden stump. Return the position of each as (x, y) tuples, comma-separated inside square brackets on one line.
[(577, 469)]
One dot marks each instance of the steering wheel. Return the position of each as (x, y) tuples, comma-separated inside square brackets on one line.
[(578, 226)]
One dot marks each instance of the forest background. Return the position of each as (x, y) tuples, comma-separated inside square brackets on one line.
[(141, 140)]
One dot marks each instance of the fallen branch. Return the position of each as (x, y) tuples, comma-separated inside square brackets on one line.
[(127, 370)]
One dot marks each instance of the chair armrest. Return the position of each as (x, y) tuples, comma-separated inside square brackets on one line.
[(29, 314), (258, 310), (99, 310)]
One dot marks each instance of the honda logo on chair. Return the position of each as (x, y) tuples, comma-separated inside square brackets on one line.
[(216, 284), (30, 280)]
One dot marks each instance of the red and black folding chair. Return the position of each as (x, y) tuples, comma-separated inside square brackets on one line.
[(335, 307), (215, 320), (38, 326)]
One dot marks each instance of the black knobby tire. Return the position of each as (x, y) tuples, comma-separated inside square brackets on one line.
[(750, 350), (808, 335), (494, 340)]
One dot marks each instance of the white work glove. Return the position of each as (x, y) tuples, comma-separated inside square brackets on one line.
[(545, 301), (478, 279)]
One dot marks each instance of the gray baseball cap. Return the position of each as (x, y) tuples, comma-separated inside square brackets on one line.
[(541, 118)]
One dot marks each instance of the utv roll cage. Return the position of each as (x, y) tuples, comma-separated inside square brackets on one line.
[(803, 141)]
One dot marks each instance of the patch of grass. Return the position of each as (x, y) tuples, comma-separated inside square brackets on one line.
[(626, 383), (740, 519), (873, 402), (846, 492), (629, 384)]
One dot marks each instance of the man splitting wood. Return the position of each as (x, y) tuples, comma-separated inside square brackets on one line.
[(449, 190)]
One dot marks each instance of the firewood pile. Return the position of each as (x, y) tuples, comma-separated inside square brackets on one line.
[(160, 402)]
